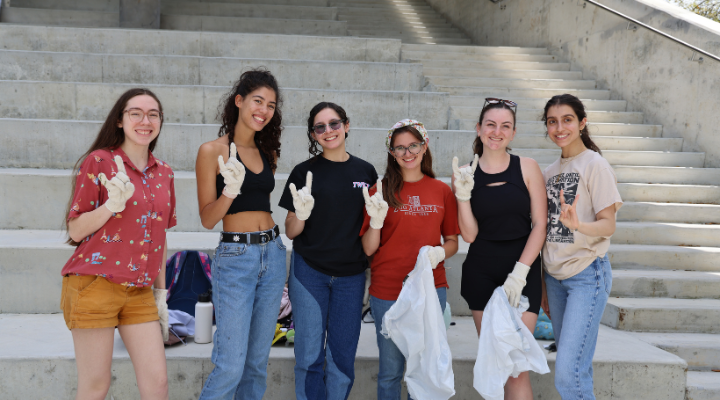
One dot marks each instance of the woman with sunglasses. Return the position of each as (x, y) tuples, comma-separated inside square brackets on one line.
[(327, 267), (502, 211), (234, 182), (123, 202), (583, 201), (423, 213)]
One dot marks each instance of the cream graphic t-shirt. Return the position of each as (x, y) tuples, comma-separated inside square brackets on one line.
[(567, 253)]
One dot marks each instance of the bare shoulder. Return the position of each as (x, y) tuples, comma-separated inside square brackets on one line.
[(529, 165), (214, 148)]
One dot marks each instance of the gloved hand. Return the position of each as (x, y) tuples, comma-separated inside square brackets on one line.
[(515, 283), (436, 255), (234, 173), (376, 206), (366, 296), (161, 303), (302, 199), (119, 188), (464, 178)]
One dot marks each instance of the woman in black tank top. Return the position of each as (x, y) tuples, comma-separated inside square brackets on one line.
[(503, 216)]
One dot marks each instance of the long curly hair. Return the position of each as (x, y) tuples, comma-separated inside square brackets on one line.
[(314, 147), (579, 109), (111, 136), (393, 180), (268, 139)]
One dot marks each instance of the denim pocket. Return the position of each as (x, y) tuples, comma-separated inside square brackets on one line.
[(280, 244), (607, 274), (233, 250)]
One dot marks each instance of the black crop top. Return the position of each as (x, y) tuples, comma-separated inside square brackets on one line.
[(255, 190), (502, 212)]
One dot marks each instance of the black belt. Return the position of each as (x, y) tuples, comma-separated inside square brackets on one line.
[(250, 238)]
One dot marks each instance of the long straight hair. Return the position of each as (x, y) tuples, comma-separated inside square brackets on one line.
[(579, 109), (393, 180), (111, 137)]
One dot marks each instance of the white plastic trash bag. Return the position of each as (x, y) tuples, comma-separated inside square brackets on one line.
[(506, 347), (415, 323)]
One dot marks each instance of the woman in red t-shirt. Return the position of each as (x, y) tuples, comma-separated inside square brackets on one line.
[(413, 210), (123, 203)]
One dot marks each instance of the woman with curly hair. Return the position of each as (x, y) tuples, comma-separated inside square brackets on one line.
[(235, 176)]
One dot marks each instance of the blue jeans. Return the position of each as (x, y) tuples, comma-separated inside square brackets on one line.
[(248, 281), (331, 306), (576, 307), (392, 361)]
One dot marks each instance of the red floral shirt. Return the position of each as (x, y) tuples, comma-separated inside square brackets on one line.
[(128, 249)]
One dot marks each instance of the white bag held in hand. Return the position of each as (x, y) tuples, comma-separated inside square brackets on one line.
[(415, 323), (506, 347)]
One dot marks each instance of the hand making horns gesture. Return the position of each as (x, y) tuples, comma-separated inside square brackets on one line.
[(302, 199), (464, 178), (568, 213), (119, 188), (376, 206), (234, 173)]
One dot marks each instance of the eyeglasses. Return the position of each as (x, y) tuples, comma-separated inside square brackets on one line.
[(493, 100), (414, 148), (137, 115), (319, 129)]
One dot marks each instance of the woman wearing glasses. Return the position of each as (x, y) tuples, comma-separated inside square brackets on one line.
[(122, 204), (327, 269), (423, 211), (234, 182), (583, 201), (502, 211)]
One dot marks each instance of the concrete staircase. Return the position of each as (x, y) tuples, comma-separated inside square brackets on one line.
[(57, 84)]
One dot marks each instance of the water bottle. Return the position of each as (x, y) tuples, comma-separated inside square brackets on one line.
[(204, 318)]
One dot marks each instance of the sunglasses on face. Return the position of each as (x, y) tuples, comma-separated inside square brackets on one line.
[(319, 129), (414, 149), (493, 100)]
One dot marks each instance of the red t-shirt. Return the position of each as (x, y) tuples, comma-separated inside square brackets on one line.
[(128, 249), (430, 212)]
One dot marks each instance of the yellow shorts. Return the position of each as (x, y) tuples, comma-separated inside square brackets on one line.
[(90, 301)]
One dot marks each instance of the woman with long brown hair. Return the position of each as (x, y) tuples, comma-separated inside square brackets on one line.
[(422, 212), (235, 176), (122, 204)]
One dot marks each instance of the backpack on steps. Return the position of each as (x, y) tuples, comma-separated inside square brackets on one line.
[(187, 275)]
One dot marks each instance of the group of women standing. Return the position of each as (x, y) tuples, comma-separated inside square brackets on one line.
[(340, 215)]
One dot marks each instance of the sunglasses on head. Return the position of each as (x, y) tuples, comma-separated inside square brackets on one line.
[(319, 129), (493, 100)]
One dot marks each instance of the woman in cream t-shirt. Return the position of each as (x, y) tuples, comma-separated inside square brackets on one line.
[(583, 200)]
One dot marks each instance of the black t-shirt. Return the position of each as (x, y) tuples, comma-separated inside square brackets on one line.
[(330, 242)]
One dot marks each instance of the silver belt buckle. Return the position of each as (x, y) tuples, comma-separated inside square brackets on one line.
[(265, 237)]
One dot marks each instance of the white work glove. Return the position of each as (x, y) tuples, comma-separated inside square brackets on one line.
[(436, 255), (366, 296), (119, 188), (515, 283), (234, 173), (302, 199), (464, 178), (376, 206), (161, 303)]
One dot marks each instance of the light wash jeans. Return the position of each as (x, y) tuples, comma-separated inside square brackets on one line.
[(248, 281), (392, 361), (576, 307), (324, 306)]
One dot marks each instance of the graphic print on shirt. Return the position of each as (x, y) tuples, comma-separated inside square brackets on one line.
[(414, 206), (568, 183)]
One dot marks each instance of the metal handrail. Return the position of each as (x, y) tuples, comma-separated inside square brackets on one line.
[(659, 32)]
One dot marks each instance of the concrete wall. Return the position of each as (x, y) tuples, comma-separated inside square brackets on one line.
[(651, 72)]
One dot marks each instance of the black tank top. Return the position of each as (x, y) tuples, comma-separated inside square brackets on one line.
[(255, 190), (502, 212)]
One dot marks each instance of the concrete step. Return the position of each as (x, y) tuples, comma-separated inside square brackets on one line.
[(469, 57), (393, 17), (425, 40), (525, 65), (673, 284), (87, 5), (670, 234), (700, 350), (668, 175), (356, 10), (623, 157), (670, 193), (510, 82), (622, 365), (212, 71), (202, 44), (645, 257), (508, 92), (253, 25), (475, 49), (670, 212), (309, 3), (535, 103), (284, 11), (55, 17), (503, 73), (434, 26), (535, 114), (198, 104), (663, 315), (606, 143), (407, 32), (702, 386)]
